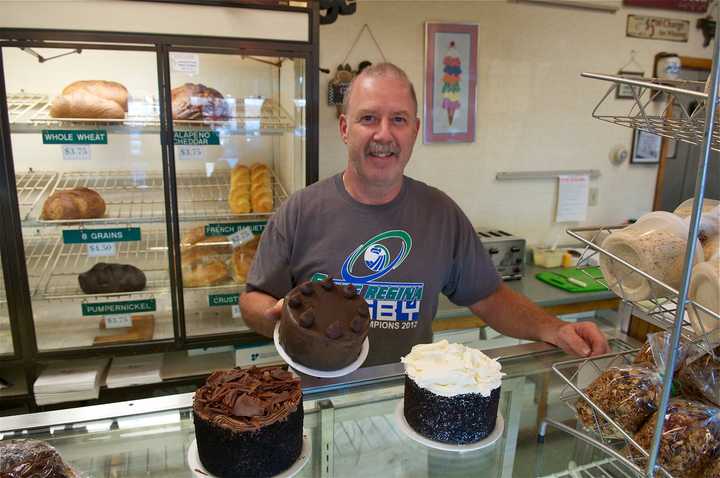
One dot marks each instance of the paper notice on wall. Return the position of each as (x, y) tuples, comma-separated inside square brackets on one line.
[(572, 198), (188, 63)]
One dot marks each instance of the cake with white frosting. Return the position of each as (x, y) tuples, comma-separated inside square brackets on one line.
[(451, 392)]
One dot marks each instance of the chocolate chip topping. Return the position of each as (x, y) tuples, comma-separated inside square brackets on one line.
[(294, 302), (349, 291), (327, 283), (306, 288), (363, 311), (358, 324), (334, 330), (307, 318)]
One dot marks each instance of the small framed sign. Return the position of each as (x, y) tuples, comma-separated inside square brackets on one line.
[(624, 91), (645, 148)]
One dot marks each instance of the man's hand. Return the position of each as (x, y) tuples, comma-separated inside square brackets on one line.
[(261, 312), (275, 311), (582, 338)]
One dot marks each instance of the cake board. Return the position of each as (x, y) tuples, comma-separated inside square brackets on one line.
[(199, 470), (415, 436), (320, 373)]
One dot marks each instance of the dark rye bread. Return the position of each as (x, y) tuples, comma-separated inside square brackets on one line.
[(324, 325)]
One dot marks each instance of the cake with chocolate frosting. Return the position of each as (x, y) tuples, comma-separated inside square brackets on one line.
[(249, 421), (32, 458), (451, 392), (324, 325)]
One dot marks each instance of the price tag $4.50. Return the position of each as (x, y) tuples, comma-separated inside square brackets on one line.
[(101, 249), (241, 237)]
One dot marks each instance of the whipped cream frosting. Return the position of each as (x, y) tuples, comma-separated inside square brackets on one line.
[(452, 369)]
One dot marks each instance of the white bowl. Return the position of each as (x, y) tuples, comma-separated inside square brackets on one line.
[(705, 290), (656, 245)]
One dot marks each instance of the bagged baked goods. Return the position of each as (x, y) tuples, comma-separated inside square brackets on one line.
[(91, 99), (32, 459), (194, 241), (105, 278), (203, 273), (196, 101), (77, 203), (705, 291), (699, 378), (242, 260), (690, 437), (712, 470), (239, 197), (261, 195), (628, 395), (654, 354)]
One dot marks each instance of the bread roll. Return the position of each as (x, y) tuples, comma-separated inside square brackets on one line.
[(203, 274), (77, 203), (261, 196), (105, 278), (239, 198), (109, 90), (196, 101), (81, 104)]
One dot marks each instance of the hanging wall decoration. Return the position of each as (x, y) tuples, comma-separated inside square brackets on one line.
[(450, 82)]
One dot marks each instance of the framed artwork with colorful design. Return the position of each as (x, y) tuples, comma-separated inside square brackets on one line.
[(450, 82)]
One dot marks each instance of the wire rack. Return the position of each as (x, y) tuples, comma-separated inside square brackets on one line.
[(656, 108), (607, 468), (577, 375), (138, 196), (661, 307), (31, 186), (30, 112)]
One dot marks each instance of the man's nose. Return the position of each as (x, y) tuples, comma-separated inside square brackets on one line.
[(383, 132)]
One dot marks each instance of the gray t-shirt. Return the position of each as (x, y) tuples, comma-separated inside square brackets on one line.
[(400, 256)]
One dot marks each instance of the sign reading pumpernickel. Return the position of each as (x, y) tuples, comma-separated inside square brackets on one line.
[(657, 28)]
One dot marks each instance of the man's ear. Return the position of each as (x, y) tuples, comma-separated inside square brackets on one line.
[(343, 123)]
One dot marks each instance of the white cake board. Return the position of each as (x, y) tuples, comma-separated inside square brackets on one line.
[(199, 470), (321, 373), (413, 435)]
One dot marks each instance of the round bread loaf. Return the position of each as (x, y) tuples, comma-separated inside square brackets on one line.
[(77, 203), (105, 278), (324, 325)]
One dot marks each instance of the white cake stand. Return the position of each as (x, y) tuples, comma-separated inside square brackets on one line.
[(321, 373), (413, 435), (199, 470)]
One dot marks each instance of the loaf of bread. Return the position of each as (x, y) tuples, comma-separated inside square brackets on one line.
[(196, 101), (195, 240), (261, 194), (105, 278), (239, 198), (201, 273), (242, 260), (92, 99), (77, 203)]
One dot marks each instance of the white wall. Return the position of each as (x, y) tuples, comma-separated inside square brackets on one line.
[(533, 108)]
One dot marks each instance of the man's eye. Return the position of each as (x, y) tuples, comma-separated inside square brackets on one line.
[(400, 120), (367, 118)]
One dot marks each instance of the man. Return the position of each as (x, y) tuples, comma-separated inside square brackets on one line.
[(399, 241)]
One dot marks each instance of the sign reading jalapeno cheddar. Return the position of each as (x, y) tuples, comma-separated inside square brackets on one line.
[(196, 137), (114, 308), (74, 136), (88, 236)]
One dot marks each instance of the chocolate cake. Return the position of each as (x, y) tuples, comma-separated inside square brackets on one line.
[(32, 458), (249, 422), (451, 392), (324, 325)]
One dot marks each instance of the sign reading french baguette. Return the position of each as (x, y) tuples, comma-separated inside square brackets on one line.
[(212, 230), (118, 308), (196, 137), (221, 300), (89, 236), (74, 136)]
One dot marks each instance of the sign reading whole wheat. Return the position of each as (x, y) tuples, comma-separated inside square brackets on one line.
[(657, 28)]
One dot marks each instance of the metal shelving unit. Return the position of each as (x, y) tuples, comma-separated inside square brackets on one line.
[(138, 197), (31, 187)]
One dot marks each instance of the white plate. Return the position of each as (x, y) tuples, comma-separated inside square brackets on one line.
[(412, 434), (321, 373), (199, 470)]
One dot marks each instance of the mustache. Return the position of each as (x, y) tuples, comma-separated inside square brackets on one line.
[(380, 148)]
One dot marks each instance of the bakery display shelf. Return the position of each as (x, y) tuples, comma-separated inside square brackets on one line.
[(31, 186), (39, 253), (607, 468), (30, 113), (653, 102), (579, 374), (138, 197), (661, 307)]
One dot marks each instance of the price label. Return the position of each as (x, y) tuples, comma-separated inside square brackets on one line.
[(118, 321), (101, 249), (242, 236), (76, 152), (191, 152), (236, 312)]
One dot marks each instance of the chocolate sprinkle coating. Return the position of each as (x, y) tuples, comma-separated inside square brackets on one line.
[(462, 419), (306, 288), (334, 330), (295, 302), (307, 318), (328, 283), (358, 324)]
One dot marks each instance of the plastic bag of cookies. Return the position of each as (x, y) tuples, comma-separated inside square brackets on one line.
[(699, 378)]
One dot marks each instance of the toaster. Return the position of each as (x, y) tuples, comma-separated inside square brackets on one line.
[(506, 250)]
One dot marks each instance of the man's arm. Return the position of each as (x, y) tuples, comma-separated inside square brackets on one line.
[(260, 311), (513, 314)]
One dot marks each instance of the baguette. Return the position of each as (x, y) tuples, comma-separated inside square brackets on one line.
[(203, 274), (242, 260), (81, 104), (109, 90), (77, 203)]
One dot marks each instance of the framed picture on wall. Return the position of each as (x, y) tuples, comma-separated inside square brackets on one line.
[(645, 148), (450, 82), (624, 91)]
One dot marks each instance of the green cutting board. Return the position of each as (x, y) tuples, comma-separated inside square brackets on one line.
[(559, 278)]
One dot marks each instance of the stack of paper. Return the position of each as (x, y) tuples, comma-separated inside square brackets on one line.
[(135, 370), (70, 381)]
